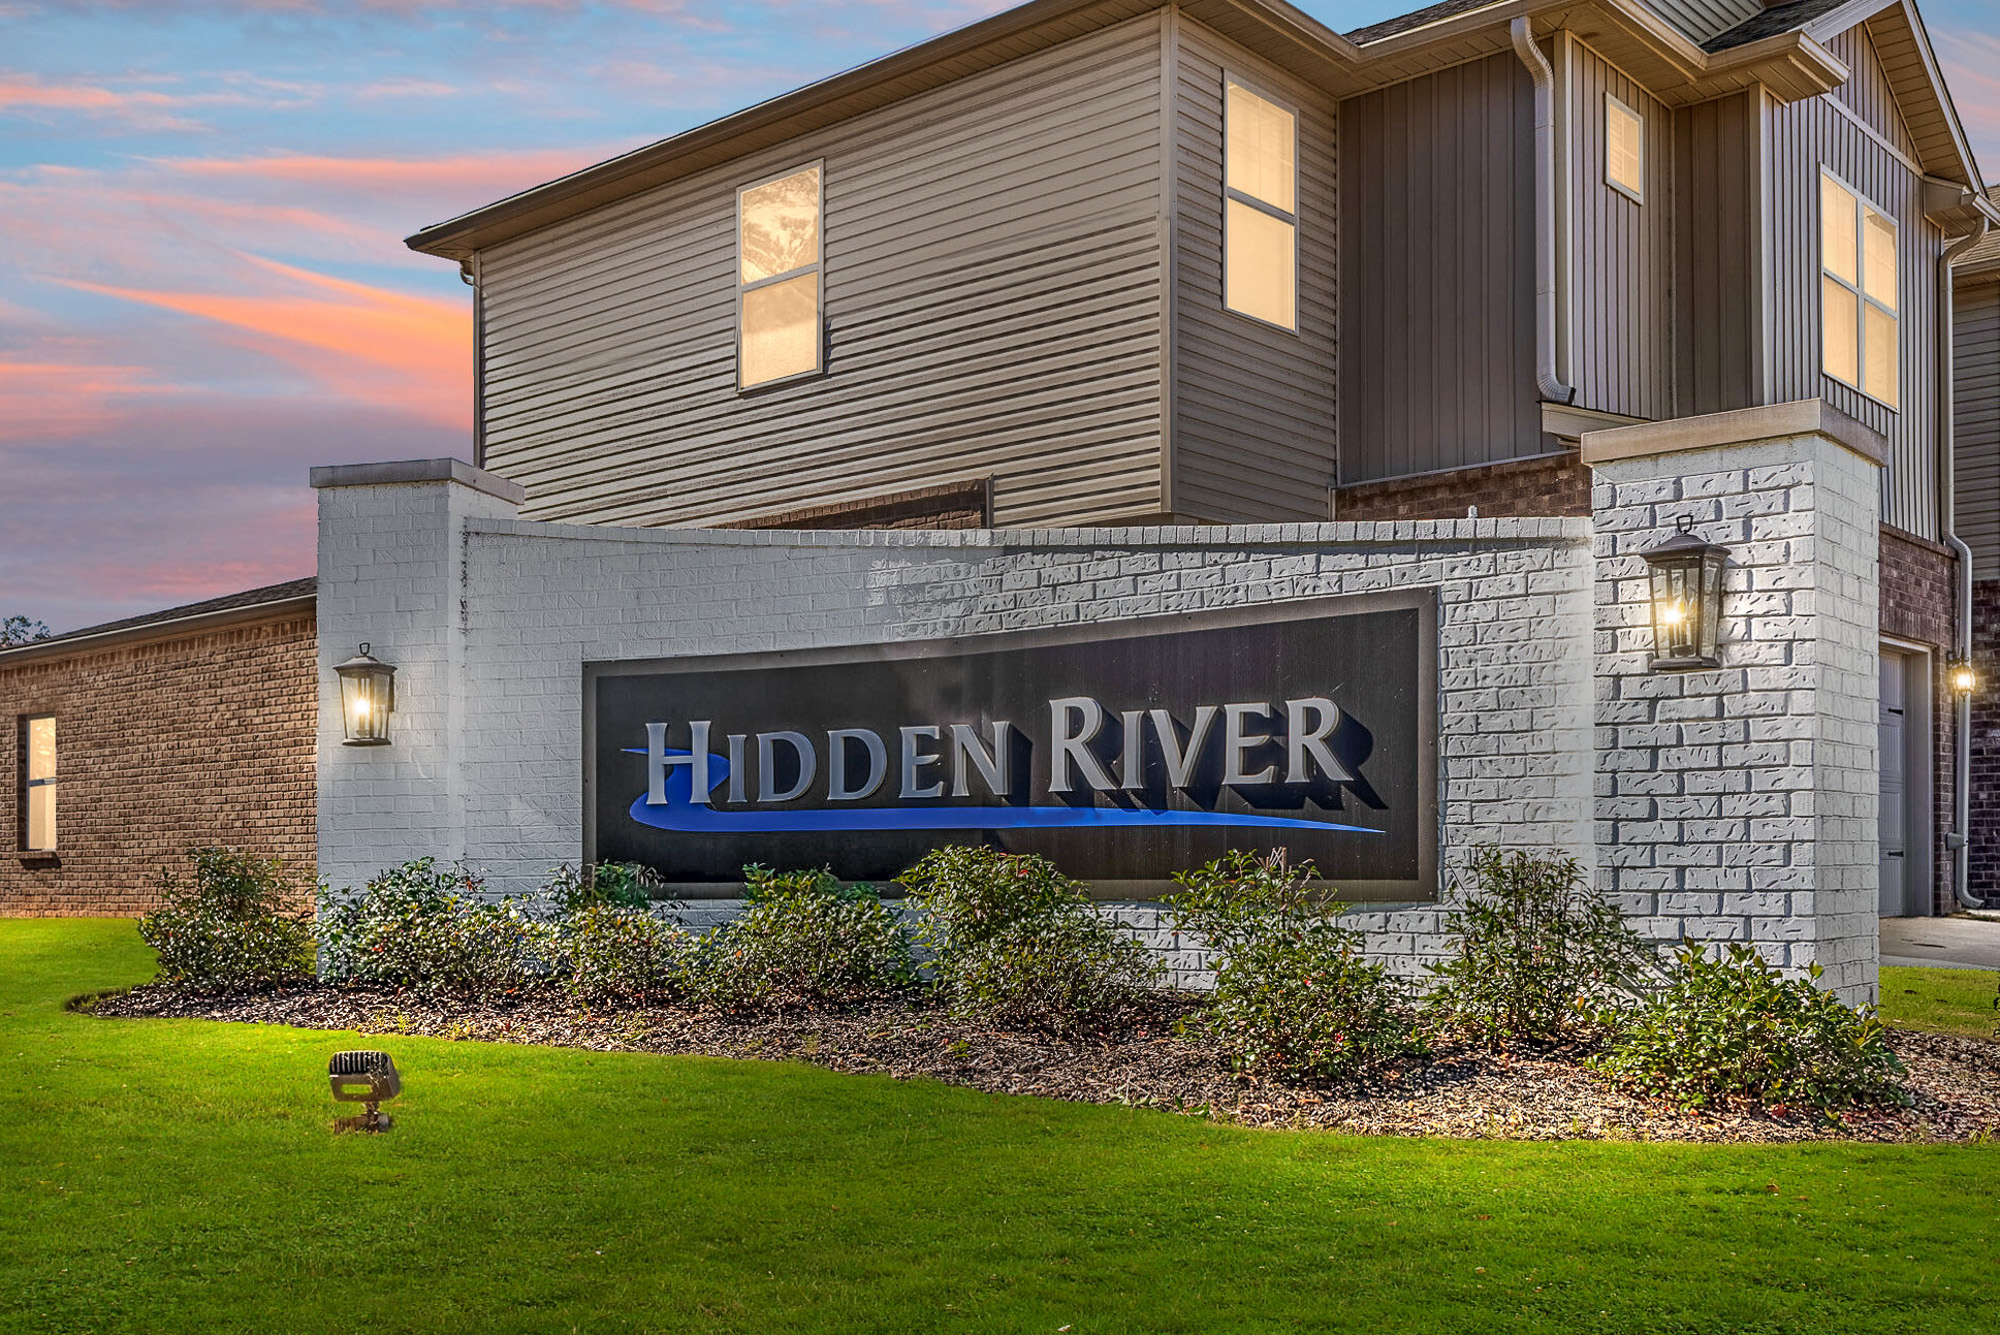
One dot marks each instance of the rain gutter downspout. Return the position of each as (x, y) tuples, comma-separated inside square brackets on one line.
[(468, 273), (1957, 840), (1546, 378)]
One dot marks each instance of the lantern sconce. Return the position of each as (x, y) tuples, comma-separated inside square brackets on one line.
[(367, 698), (1687, 600), (1963, 678)]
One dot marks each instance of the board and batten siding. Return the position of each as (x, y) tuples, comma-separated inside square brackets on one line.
[(1805, 138), (1620, 289), (1437, 274), (1718, 165), (1976, 315), (993, 260), (1703, 19), (1254, 407)]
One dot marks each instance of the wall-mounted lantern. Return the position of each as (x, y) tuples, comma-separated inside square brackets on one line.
[(1687, 600), (1964, 680), (367, 698)]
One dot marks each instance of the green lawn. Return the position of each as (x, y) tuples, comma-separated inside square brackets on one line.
[(161, 1176), (1943, 1001)]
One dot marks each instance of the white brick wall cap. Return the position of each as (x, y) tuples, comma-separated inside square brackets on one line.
[(418, 470), (1744, 426)]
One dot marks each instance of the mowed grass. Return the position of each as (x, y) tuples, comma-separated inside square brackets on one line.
[(165, 1176), (1942, 1001)]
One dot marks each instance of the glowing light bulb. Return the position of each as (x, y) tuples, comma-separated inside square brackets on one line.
[(1963, 679)]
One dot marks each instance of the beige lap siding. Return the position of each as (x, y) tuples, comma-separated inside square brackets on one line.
[(163, 745)]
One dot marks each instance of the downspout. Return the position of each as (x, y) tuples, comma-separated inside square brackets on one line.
[(468, 273), (1546, 379), (1957, 840)]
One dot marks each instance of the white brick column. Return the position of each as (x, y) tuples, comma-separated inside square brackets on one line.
[(392, 572), (1740, 804)]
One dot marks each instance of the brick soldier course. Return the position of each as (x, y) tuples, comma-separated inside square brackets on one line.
[(187, 728)]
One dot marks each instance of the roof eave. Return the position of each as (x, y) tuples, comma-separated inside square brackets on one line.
[(62, 646)]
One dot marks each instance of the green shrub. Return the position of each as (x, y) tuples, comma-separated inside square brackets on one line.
[(1538, 957), (1729, 1028), (232, 924), (1015, 942), (1292, 994), (615, 955), (426, 928), (803, 939), (619, 884)]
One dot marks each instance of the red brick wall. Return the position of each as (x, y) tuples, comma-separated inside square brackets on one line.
[(1533, 488), (1985, 824), (206, 739), (1917, 605)]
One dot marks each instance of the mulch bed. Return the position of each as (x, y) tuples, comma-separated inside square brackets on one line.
[(1463, 1093)]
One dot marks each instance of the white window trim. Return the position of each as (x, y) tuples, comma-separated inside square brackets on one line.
[(1262, 90), (1858, 288), (29, 784), (817, 269), (1613, 100)]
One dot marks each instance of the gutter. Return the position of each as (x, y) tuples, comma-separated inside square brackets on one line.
[(1957, 839), (1547, 378)]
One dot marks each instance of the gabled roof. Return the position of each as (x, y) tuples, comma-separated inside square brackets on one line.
[(1782, 52), (251, 604)]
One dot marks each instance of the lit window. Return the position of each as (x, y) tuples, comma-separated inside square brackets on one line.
[(1624, 149), (1858, 296), (1260, 270), (38, 805), (778, 278)]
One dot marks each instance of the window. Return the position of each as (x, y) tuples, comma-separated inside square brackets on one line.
[(1862, 341), (1624, 149), (778, 278), (38, 797), (1260, 219)]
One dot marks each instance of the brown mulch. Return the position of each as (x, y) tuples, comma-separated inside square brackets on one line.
[(1955, 1082)]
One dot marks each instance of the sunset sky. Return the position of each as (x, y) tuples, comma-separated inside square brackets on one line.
[(203, 286)]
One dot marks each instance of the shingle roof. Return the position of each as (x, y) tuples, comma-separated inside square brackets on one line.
[(1984, 255), (1437, 13), (1771, 22), (269, 593)]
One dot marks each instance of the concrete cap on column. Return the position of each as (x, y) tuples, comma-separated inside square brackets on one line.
[(1743, 426), (419, 470)]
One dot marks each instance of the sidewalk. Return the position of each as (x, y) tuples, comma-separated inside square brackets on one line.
[(1941, 943)]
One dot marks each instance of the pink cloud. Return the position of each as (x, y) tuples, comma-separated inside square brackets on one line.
[(43, 395)]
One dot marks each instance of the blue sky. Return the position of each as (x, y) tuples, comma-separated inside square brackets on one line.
[(203, 287)]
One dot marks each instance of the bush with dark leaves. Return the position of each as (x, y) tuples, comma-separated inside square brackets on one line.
[(1014, 942), (1538, 957), (1293, 995), (1730, 1029), (431, 930), (804, 939), (236, 922)]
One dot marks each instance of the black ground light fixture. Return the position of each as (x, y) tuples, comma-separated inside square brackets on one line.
[(1963, 679), (367, 1078), (367, 698), (1687, 600)]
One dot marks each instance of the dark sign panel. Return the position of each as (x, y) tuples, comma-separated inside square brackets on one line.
[(1124, 752)]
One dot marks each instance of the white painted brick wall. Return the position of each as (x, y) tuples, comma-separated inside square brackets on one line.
[(489, 642), (1740, 804)]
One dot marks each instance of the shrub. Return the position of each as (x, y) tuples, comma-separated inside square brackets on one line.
[(1292, 994), (231, 924), (426, 928), (1729, 1028), (1015, 942), (803, 939), (616, 955), (620, 884), (1539, 957)]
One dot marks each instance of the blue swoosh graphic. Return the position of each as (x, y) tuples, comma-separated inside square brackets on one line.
[(680, 813)]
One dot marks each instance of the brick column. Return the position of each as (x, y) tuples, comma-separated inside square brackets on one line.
[(1740, 804), (392, 573)]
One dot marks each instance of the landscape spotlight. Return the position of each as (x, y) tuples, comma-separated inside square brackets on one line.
[(1687, 600), (367, 698), (367, 1078), (1964, 681)]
